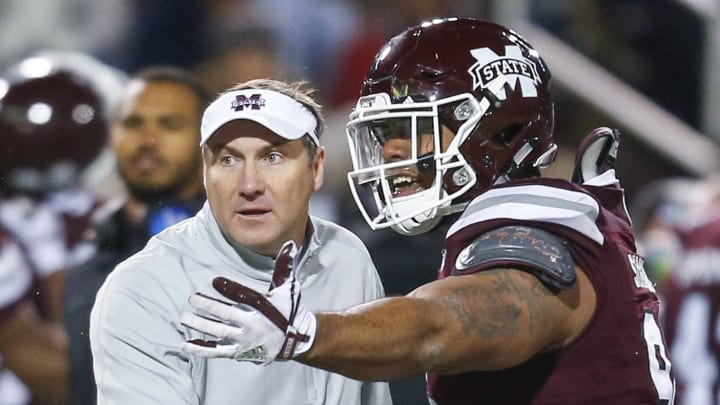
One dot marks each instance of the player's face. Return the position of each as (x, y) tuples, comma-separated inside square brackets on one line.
[(409, 180), (155, 137), (259, 184)]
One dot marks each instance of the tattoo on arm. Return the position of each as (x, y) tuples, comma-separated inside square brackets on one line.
[(496, 313)]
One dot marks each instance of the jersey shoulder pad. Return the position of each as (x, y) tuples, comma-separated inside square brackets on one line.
[(539, 251)]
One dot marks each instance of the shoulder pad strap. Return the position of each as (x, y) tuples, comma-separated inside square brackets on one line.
[(545, 254)]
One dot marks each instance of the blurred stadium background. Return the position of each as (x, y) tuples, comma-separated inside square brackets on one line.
[(643, 66), (646, 67)]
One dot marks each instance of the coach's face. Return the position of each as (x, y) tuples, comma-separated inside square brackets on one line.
[(258, 185)]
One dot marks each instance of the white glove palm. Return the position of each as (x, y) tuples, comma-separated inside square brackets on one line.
[(254, 327)]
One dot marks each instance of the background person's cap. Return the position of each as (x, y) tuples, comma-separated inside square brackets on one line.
[(277, 112)]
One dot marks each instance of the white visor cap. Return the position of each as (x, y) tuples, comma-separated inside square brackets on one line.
[(277, 112)]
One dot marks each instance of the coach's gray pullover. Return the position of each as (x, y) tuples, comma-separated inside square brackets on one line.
[(135, 329)]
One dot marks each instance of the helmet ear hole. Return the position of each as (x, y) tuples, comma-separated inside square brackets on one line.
[(430, 72), (508, 134)]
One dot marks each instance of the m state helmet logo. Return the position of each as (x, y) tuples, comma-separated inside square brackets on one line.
[(241, 101), (493, 71)]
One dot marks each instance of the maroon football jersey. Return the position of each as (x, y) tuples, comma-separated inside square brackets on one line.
[(621, 357), (37, 239), (51, 233), (691, 315)]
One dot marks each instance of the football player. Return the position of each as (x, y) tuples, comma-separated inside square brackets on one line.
[(53, 125), (691, 307)]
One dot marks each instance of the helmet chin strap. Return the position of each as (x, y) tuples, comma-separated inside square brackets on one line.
[(422, 220), (417, 225), (427, 220)]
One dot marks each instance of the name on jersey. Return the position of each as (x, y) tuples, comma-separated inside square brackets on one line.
[(637, 264)]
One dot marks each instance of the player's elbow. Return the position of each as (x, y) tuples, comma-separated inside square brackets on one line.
[(443, 353), (452, 356), (433, 356)]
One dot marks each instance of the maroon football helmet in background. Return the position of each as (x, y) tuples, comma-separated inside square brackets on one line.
[(52, 125), (482, 82)]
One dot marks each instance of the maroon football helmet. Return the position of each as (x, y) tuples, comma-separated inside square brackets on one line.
[(447, 109), (51, 127)]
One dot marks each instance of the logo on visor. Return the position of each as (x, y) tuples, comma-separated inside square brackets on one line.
[(509, 69), (253, 102)]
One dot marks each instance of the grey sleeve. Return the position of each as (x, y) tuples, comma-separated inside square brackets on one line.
[(135, 342), (375, 393), (374, 289), (375, 284)]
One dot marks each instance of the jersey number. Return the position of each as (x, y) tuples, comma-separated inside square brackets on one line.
[(695, 362), (657, 357)]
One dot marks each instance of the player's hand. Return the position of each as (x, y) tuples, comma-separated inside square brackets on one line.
[(253, 326)]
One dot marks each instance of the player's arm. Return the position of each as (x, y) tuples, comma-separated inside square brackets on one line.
[(50, 292), (35, 350), (487, 317), (484, 321)]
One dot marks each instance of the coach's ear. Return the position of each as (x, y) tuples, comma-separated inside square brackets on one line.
[(319, 168)]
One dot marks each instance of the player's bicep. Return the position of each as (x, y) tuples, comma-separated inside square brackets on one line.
[(494, 319)]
